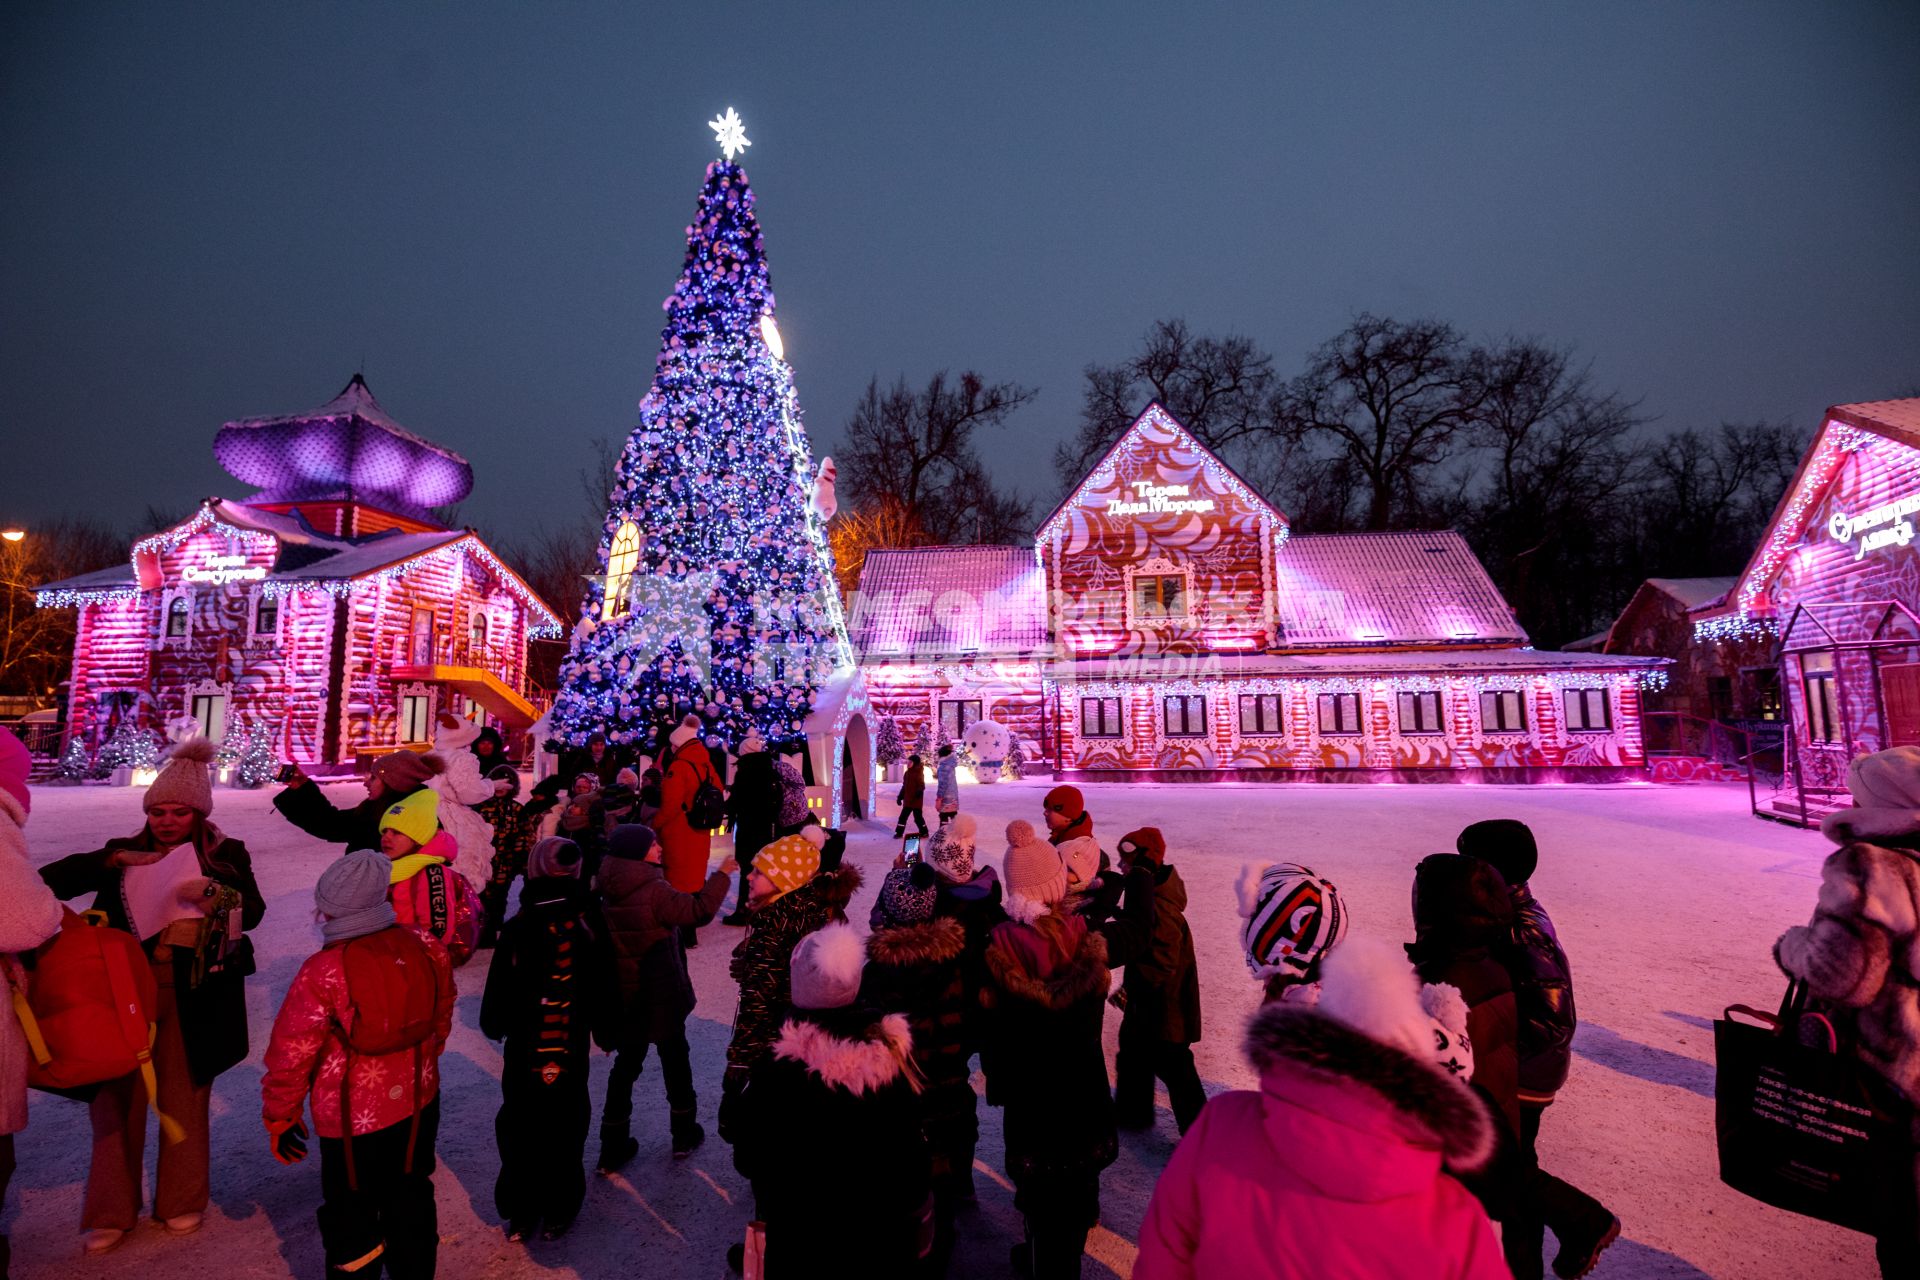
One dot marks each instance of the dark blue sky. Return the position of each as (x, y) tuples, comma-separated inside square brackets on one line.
[(216, 211)]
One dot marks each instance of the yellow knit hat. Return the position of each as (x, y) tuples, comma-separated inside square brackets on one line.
[(417, 817), (791, 861)]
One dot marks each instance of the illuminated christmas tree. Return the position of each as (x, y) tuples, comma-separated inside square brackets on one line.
[(130, 746), (76, 764), (716, 586)]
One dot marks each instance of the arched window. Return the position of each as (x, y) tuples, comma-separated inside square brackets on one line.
[(622, 558), (477, 633), (177, 617)]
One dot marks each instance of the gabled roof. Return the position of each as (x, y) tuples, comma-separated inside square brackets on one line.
[(1895, 420), (925, 602), (1156, 415), (347, 447), (1694, 593), (1373, 589)]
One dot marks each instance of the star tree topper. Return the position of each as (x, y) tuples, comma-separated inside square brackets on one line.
[(730, 131)]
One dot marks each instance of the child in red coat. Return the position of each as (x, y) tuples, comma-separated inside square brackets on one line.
[(389, 991)]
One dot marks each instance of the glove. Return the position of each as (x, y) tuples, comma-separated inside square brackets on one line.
[(288, 1140)]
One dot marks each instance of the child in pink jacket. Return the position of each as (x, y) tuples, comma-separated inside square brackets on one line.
[(1336, 1166), (428, 895)]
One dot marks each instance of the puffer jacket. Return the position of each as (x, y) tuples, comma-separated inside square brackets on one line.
[(1044, 1002), (1860, 953), (1542, 997), (1162, 985), (829, 1137), (762, 962), (1462, 912), (556, 942), (644, 914), (1336, 1166), (434, 900), (913, 787), (918, 970), (306, 1053), (946, 784), (753, 805)]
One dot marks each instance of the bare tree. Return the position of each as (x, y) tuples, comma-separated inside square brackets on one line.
[(36, 644), (1389, 397), (1218, 388), (916, 449), (1710, 494)]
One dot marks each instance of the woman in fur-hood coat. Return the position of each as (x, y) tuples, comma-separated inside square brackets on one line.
[(1860, 954), (1337, 1165), (830, 1127)]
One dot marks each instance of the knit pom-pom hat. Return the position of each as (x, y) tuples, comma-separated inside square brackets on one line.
[(908, 895), (1293, 918), (1886, 798), (791, 861), (826, 967), (186, 779), (1033, 868), (950, 852), (688, 730)]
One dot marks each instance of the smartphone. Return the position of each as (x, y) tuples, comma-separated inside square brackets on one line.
[(285, 773), (911, 850)]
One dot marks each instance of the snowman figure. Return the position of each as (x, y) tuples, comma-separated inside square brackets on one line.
[(988, 740)]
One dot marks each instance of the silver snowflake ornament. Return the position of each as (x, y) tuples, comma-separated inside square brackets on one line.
[(730, 131)]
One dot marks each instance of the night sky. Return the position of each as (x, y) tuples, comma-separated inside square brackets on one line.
[(213, 211)]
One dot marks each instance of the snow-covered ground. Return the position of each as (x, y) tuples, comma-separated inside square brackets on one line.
[(1668, 900)]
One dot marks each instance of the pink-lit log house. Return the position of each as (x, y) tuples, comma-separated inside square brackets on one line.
[(1165, 625), (331, 606)]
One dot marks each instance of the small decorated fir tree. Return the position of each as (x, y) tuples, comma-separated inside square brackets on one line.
[(76, 763), (923, 743), (258, 763), (130, 747), (891, 748), (1014, 765)]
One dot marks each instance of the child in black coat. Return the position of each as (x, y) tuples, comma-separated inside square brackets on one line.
[(549, 996), (831, 1136)]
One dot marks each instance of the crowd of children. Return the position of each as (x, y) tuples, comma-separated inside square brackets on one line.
[(1396, 1117)]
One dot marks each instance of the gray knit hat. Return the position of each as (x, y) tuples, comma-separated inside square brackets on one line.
[(352, 894)]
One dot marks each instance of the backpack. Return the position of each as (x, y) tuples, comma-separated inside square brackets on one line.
[(389, 1010), (447, 892), (707, 809), (88, 1014)]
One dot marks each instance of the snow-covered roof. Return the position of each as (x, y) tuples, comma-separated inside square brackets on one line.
[(1339, 589), (1588, 644), (1895, 419), (928, 601), (1695, 593), (348, 447), (1438, 662)]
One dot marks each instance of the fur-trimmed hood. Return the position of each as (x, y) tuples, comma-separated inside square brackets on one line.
[(876, 1058), (1434, 1109), (913, 945), (836, 888), (1055, 961)]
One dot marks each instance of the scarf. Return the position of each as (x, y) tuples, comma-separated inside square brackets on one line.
[(358, 924)]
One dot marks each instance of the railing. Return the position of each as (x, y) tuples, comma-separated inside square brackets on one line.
[(1754, 750), (440, 649)]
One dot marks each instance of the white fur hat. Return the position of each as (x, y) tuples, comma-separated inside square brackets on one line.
[(1886, 797), (826, 968), (1369, 987), (452, 732)]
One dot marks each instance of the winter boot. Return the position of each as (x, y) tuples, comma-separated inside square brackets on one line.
[(687, 1133), (617, 1147), (1581, 1255)]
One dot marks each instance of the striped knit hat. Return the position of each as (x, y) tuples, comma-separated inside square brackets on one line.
[(1294, 917)]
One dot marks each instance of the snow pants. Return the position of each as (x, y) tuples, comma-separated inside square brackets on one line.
[(1545, 1201), (1059, 1210), (120, 1118), (1135, 1067), (393, 1208), (919, 821), (676, 1069), (541, 1131)]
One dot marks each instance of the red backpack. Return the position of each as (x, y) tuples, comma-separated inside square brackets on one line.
[(88, 1012), (389, 1010)]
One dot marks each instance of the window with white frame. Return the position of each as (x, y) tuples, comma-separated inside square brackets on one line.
[(1420, 711), (266, 615), (416, 717), (957, 715), (477, 632), (1184, 715), (176, 618), (1587, 710), (1339, 713), (1101, 718), (210, 711), (1823, 699), (1503, 711), (1259, 714), (1158, 590)]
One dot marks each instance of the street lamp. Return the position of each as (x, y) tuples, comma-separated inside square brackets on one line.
[(13, 534)]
